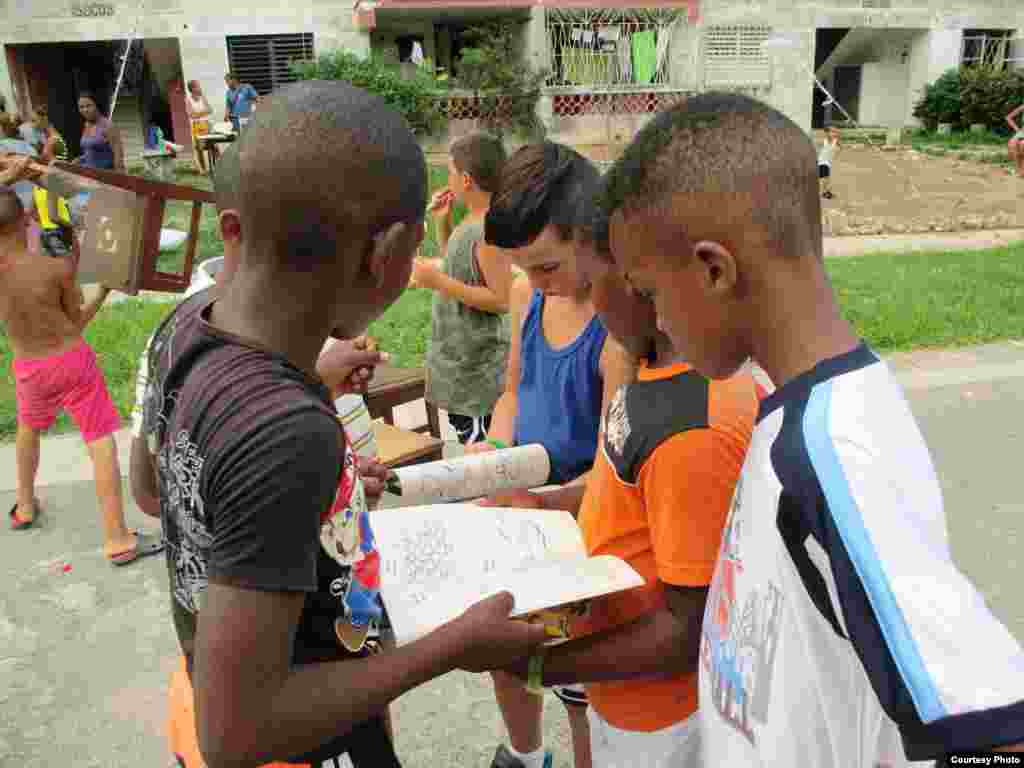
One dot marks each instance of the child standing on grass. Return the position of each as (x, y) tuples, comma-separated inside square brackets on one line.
[(838, 629), (44, 312), (826, 157), (469, 338), (562, 372)]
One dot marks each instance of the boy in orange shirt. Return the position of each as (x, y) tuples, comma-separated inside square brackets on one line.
[(658, 495)]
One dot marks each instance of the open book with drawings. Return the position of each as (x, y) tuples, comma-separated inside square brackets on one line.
[(436, 561)]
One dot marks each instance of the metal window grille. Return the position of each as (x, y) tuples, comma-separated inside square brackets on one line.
[(265, 61), (611, 49), (992, 49), (734, 57)]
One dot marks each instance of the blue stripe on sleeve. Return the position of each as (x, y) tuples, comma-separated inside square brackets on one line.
[(857, 542)]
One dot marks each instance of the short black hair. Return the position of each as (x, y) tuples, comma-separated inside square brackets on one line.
[(542, 184), (11, 209), (227, 179), (482, 156), (730, 145), (594, 226), (325, 163), (90, 96)]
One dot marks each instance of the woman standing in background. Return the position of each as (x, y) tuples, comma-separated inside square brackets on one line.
[(101, 141), (199, 111)]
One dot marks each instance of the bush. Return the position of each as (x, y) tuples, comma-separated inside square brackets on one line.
[(940, 102), (506, 88), (415, 95), (988, 95)]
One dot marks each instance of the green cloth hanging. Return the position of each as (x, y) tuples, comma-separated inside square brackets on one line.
[(645, 56)]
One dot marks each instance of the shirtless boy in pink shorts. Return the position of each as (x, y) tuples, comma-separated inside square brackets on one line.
[(44, 312)]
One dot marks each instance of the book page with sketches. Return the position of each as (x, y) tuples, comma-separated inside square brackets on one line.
[(436, 561), (473, 476)]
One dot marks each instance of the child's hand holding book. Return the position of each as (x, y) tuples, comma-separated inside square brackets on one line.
[(486, 637)]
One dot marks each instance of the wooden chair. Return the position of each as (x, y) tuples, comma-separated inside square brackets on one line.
[(121, 246), (120, 243)]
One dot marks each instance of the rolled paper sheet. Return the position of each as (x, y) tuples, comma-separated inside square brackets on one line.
[(471, 476)]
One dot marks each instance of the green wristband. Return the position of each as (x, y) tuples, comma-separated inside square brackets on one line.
[(535, 676), (496, 443)]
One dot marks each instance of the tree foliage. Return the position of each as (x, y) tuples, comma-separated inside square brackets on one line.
[(507, 89), (413, 92)]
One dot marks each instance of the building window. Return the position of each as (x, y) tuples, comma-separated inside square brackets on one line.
[(734, 57), (611, 50), (997, 48), (265, 61)]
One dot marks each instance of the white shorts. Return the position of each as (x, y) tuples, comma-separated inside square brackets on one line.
[(677, 746)]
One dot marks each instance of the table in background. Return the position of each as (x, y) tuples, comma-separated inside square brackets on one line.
[(209, 142), (401, 447), (392, 387)]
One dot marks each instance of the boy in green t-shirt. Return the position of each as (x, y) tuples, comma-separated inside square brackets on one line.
[(469, 336)]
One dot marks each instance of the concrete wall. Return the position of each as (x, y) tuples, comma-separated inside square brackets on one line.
[(199, 25), (883, 91), (931, 54)]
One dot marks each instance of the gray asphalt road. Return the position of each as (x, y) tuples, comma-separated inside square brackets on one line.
[(85, 655)]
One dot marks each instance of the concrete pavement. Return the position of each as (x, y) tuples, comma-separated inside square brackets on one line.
[(85, 655), (938, 241)]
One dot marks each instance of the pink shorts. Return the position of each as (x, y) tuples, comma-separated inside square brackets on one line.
[(72, 381)]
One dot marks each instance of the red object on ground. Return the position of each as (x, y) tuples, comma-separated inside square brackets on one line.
[(67, 568)]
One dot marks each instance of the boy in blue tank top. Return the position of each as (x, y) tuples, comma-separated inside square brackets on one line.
[(562, 368)]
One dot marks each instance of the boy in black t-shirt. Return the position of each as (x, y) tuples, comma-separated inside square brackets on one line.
[(267, 536)]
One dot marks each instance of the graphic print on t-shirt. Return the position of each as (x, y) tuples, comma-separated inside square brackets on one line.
[(346, 537), (740, 636), (348, 570), (616, 426), (187, 536)]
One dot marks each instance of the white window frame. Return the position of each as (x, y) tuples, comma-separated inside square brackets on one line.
[(994, 49), (567, 30)]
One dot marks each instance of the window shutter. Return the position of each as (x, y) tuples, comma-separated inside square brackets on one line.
[(733, 56), (264, 61)]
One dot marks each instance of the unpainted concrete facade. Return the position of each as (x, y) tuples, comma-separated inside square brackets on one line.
[(907, 45)]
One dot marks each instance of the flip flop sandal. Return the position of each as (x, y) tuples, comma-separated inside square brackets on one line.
[(17, 524), (145, 545)]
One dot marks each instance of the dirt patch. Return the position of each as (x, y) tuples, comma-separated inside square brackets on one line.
[(905, 191)]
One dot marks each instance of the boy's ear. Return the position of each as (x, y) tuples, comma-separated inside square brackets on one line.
[(230, 223), (719, 272), (390, 247)]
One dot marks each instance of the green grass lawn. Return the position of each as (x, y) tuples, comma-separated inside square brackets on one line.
[(902, 302), (957, 139), (896, 302)]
